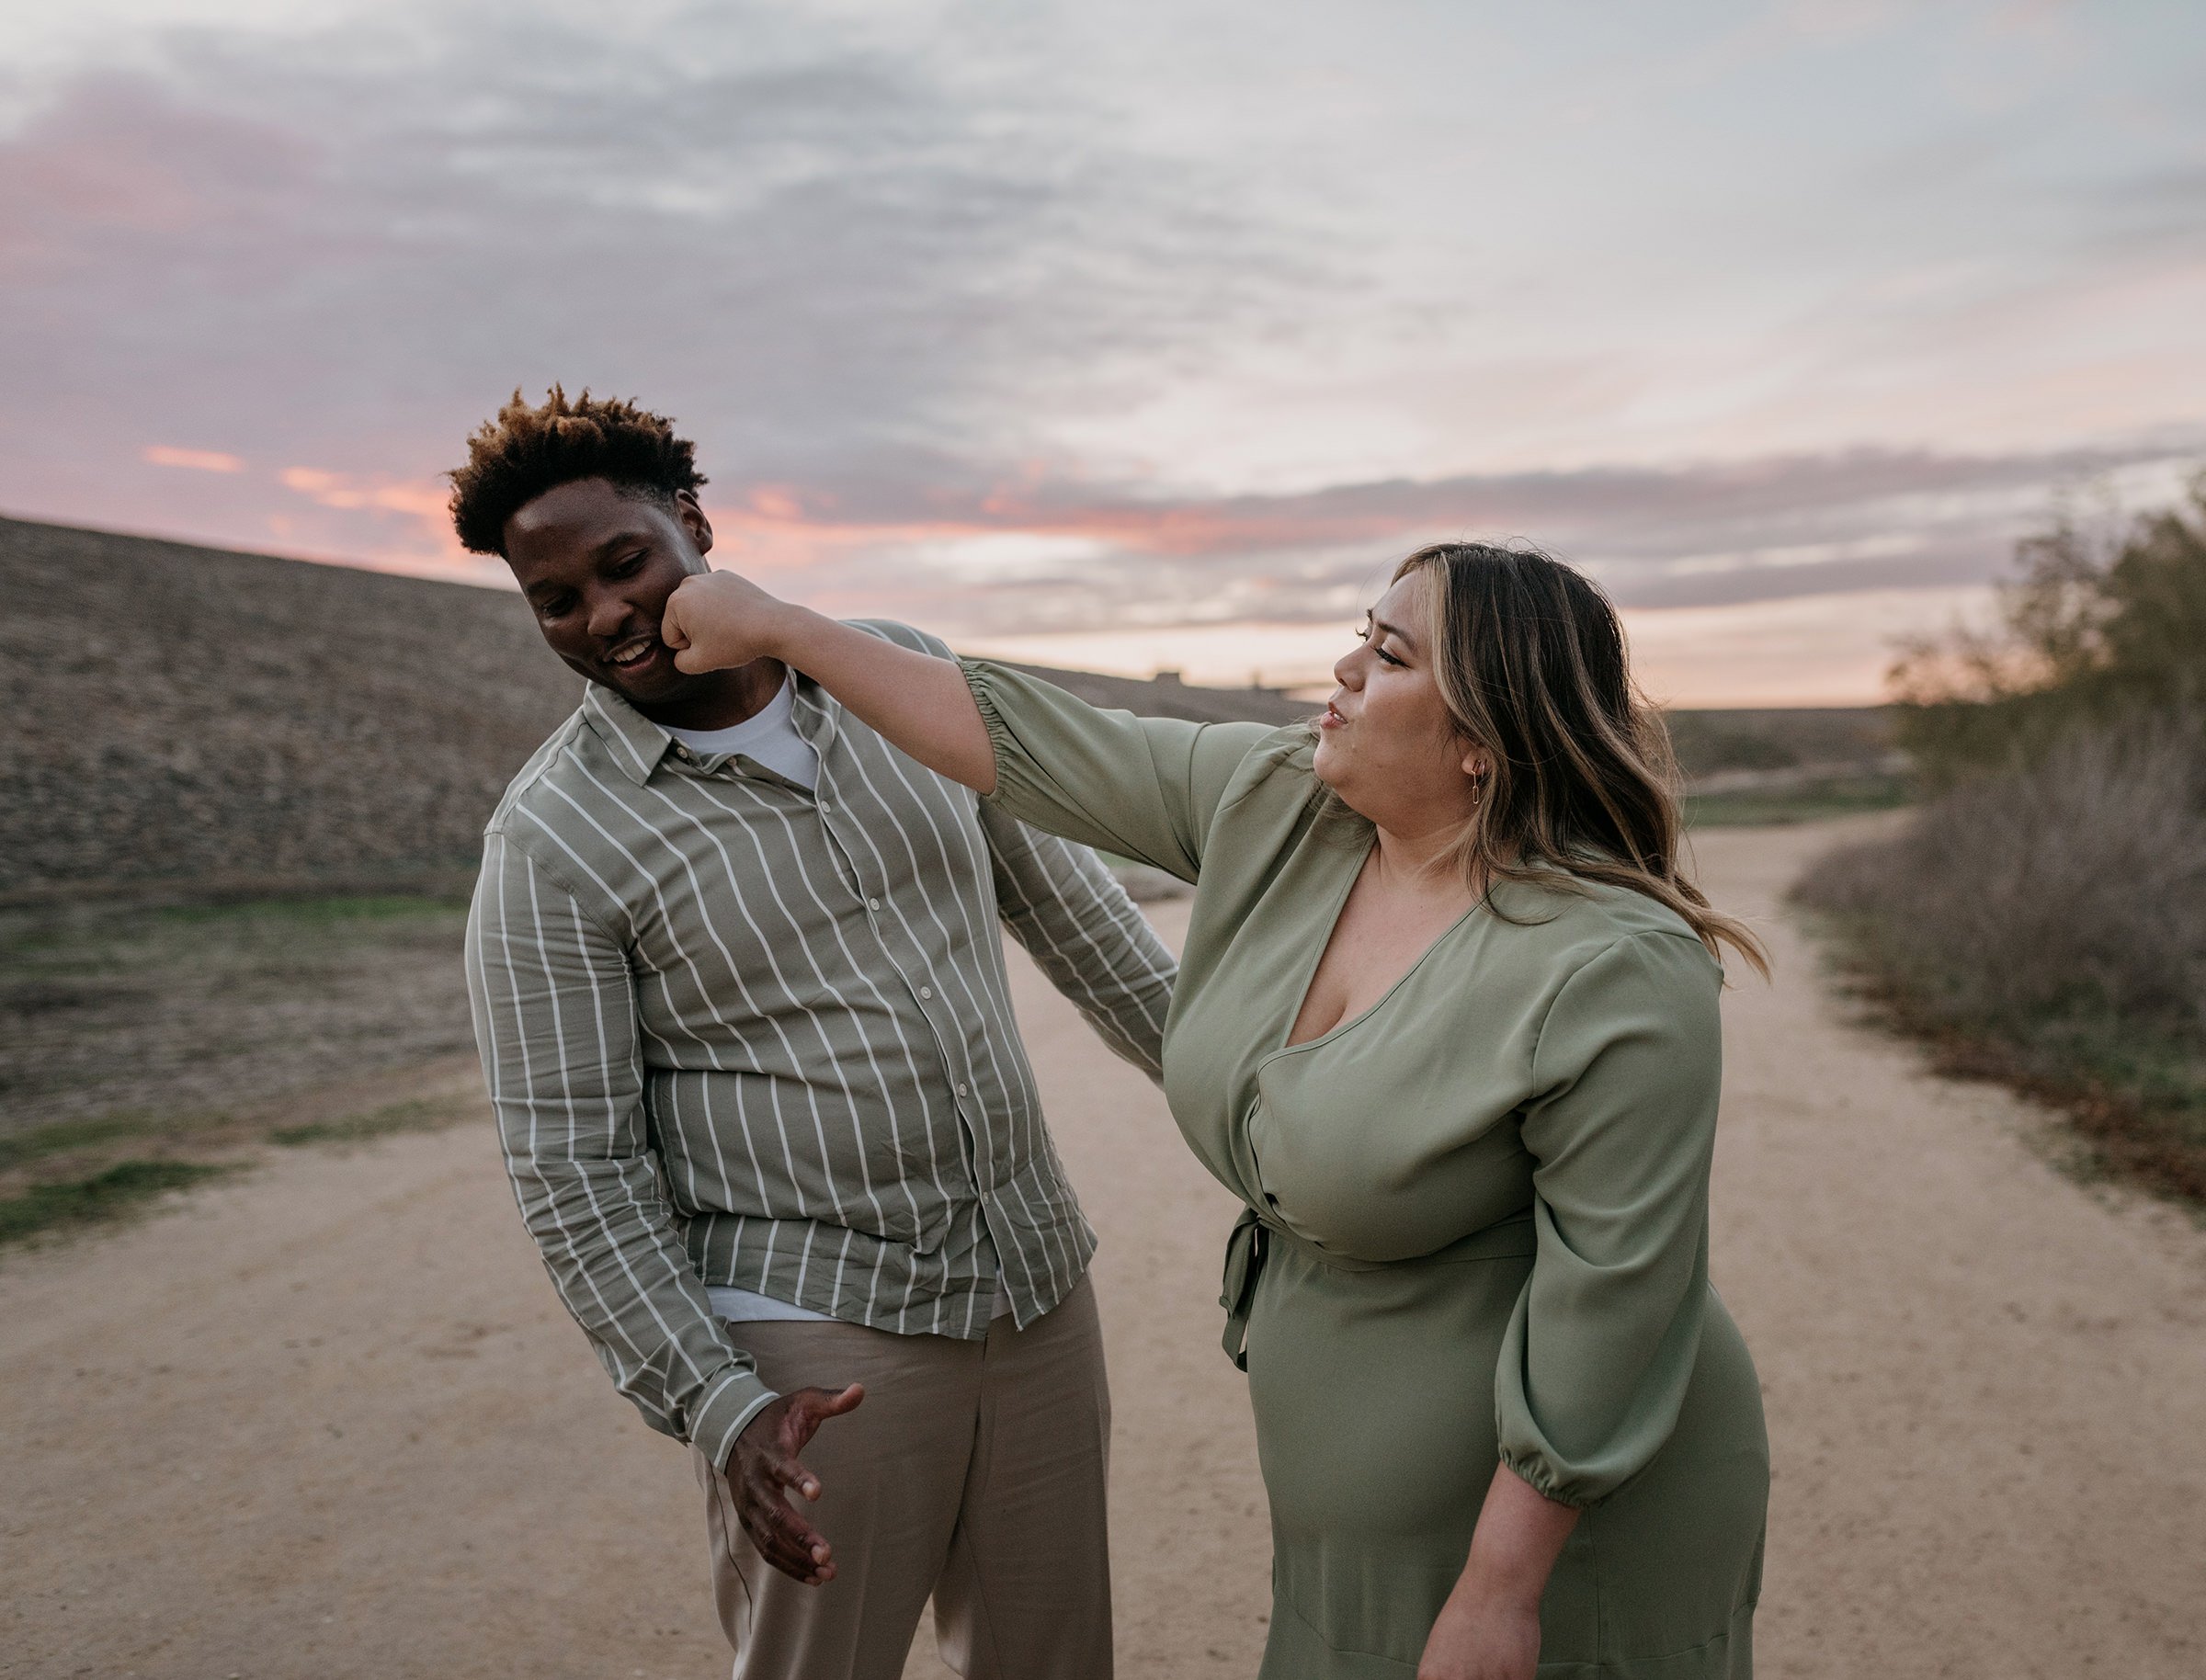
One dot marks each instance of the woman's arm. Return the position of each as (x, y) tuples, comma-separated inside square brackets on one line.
[(920, 704), (1489, 1628), (1603, 1339), (1145, 788)]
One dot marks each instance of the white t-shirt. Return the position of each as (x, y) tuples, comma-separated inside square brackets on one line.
[(770, 737)]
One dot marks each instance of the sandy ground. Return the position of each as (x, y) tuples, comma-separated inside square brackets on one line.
[(329, 1421)]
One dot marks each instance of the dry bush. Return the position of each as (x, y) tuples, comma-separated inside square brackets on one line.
[(2105, 623), (2048, 926), (2076, 885), (2043, 920)]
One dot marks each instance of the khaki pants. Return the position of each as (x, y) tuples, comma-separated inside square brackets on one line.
[(974, 1472)]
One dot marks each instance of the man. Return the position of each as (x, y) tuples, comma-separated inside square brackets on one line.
[(741, 1002)]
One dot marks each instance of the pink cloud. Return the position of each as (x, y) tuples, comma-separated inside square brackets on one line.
[(775, 522), (423, 502), (197, 461)]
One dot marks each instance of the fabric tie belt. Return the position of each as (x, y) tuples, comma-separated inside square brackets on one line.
[(1254, 1235)]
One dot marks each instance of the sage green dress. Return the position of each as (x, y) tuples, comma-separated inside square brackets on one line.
[(1477, 1223)]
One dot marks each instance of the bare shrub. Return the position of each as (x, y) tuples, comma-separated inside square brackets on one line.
[(2070, 888), (2105, 623), (2043, 920)]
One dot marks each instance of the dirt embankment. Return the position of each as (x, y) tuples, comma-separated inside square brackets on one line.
[(170, 712), (331, 1421)]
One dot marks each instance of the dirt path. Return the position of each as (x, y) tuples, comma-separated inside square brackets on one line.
[(329, 1421), (1986, 1386)]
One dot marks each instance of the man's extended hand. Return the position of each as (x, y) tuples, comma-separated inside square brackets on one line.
[(763, 1470)]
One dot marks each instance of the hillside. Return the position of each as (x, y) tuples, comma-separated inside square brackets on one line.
[(169, 712), (174, 713), (178, 711), (1166, 696)]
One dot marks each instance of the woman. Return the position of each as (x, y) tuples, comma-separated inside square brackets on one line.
[(1447, 1023)]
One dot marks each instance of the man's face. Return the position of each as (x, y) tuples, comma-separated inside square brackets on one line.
[(596, 567)]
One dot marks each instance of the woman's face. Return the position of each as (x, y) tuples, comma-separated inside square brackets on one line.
[(1387, 743)]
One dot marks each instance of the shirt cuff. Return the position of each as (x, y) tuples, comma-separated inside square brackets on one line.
[(726, 1410), (1542, 1478)]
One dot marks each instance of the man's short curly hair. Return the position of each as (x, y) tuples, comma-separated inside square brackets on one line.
[(526, 450)]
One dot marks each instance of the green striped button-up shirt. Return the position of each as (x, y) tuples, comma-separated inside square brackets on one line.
[(742, 1033)]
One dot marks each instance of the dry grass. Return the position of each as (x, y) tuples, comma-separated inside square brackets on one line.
[(1808, 800), (148, 1044), (121, 1017), (2047, 927)]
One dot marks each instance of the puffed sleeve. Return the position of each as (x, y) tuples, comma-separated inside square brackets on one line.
[(1144, 787), (1602, 1343)]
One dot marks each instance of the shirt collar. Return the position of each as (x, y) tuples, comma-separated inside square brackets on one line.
[(816, 713), (637, 744)]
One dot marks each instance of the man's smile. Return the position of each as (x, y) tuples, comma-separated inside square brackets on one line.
[(631, 655)]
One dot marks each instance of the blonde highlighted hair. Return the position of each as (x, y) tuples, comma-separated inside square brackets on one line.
[(1530, 656)]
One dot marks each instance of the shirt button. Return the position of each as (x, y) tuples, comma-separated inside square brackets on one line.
[(872, 903), (825, 807), (927, 991), (962, 1089)]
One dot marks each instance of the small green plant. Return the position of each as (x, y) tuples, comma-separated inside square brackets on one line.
[(61, 1137), (414, 1115), (119, 1190)]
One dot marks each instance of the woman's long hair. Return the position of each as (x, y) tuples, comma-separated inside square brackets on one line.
[(1583, 787)]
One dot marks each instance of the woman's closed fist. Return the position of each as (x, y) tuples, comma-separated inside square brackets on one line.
[(715, 620)]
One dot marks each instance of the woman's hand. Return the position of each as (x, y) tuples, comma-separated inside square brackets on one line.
[(1481, 1636), (716, 621), (1489, 1628)]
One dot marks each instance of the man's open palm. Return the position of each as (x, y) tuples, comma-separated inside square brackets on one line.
[(764, 1470)]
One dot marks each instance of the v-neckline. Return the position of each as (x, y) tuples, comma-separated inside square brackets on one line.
[(1340, 905)]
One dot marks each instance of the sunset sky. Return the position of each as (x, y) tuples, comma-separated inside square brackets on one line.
[(1140, 334)]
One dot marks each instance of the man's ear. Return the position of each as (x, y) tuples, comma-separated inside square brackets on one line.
[(687, 509)]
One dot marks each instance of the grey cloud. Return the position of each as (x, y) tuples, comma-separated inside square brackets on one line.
[(2159, 213), (853, 271), (838, 265), (1774, 529)]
